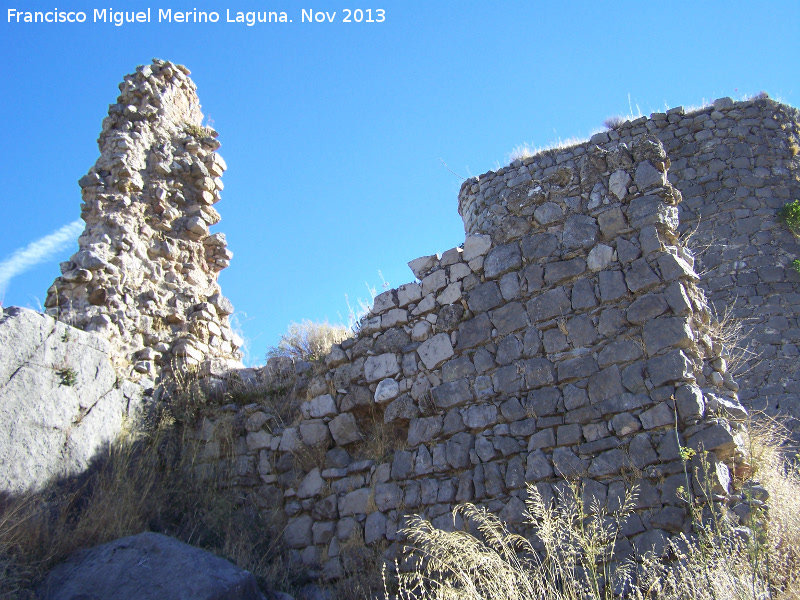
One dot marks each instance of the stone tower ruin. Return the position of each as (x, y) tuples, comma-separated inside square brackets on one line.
[(145, 275)]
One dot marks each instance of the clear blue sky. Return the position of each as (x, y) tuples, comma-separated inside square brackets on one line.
[(334, 133)]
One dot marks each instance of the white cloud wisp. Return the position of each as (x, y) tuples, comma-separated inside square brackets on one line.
[(37, 252)]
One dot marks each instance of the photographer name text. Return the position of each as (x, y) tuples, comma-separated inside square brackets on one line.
[(169, 15)]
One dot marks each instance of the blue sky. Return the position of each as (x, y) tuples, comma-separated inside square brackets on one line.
[(335, 134)]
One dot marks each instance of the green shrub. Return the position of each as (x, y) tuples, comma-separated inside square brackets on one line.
[(790, 214)]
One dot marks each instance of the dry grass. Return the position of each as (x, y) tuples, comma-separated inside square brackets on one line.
[(732, 334), (721, 560), (147, 481), (309, 341), (523, 151), (756, 559), (573, 559)]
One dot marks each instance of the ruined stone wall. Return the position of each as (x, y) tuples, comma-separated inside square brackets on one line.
[(145, 275), (736, 164), (566, 338)]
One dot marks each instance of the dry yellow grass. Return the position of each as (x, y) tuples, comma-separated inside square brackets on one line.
[(146, 482), (720, 561), (309, 341)]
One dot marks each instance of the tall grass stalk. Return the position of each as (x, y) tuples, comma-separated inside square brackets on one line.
[(572, 555)]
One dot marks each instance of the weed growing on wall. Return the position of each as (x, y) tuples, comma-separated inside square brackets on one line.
[(790, 214)]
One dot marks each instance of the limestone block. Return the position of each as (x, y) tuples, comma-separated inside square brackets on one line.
[(600, 257), (537, 466), (475, 246), (648, 176), (567, 464), (559, 271), (384, 302), (290, 440), (667, 332), (502, 259), (298, 532), (375, 528), (388, 496), (453, 393), (434, 351), (257, 440), (553, 303), (59, 400), (548, 213), (312, 485), (484, 297), (344, 429), (435, 282), (717, 438), (674, 267), (314, 433), (421, 266), (423, 429), (381, 367), (451, 294), (651, 210), (321, 406), (646, 307), (658, 416), (580, 231), (479, 416), (197, 225), (408, 293), (619, 351), (618, 183), (402, 408), (670, 367), (459, 271)]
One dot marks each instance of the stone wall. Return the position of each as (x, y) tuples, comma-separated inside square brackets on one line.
[(566, 338), (570, 335), (145, 275), (736, 164)]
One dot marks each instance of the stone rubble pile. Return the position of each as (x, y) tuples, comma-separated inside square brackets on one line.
[(145, 274)]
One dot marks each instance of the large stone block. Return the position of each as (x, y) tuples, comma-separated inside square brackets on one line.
[(435, 350), (553, 303), (381, 366), (344, 429), (502, 259), (453, 393), (475, 332), (151, 566)]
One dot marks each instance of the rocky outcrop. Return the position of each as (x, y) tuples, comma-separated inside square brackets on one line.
[(145, 275), (148, 566), (61, 403)]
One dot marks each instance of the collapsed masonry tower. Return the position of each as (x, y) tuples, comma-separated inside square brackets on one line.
[(145, 275)]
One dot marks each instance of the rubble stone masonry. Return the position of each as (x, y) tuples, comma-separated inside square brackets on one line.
[(145, 274)]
